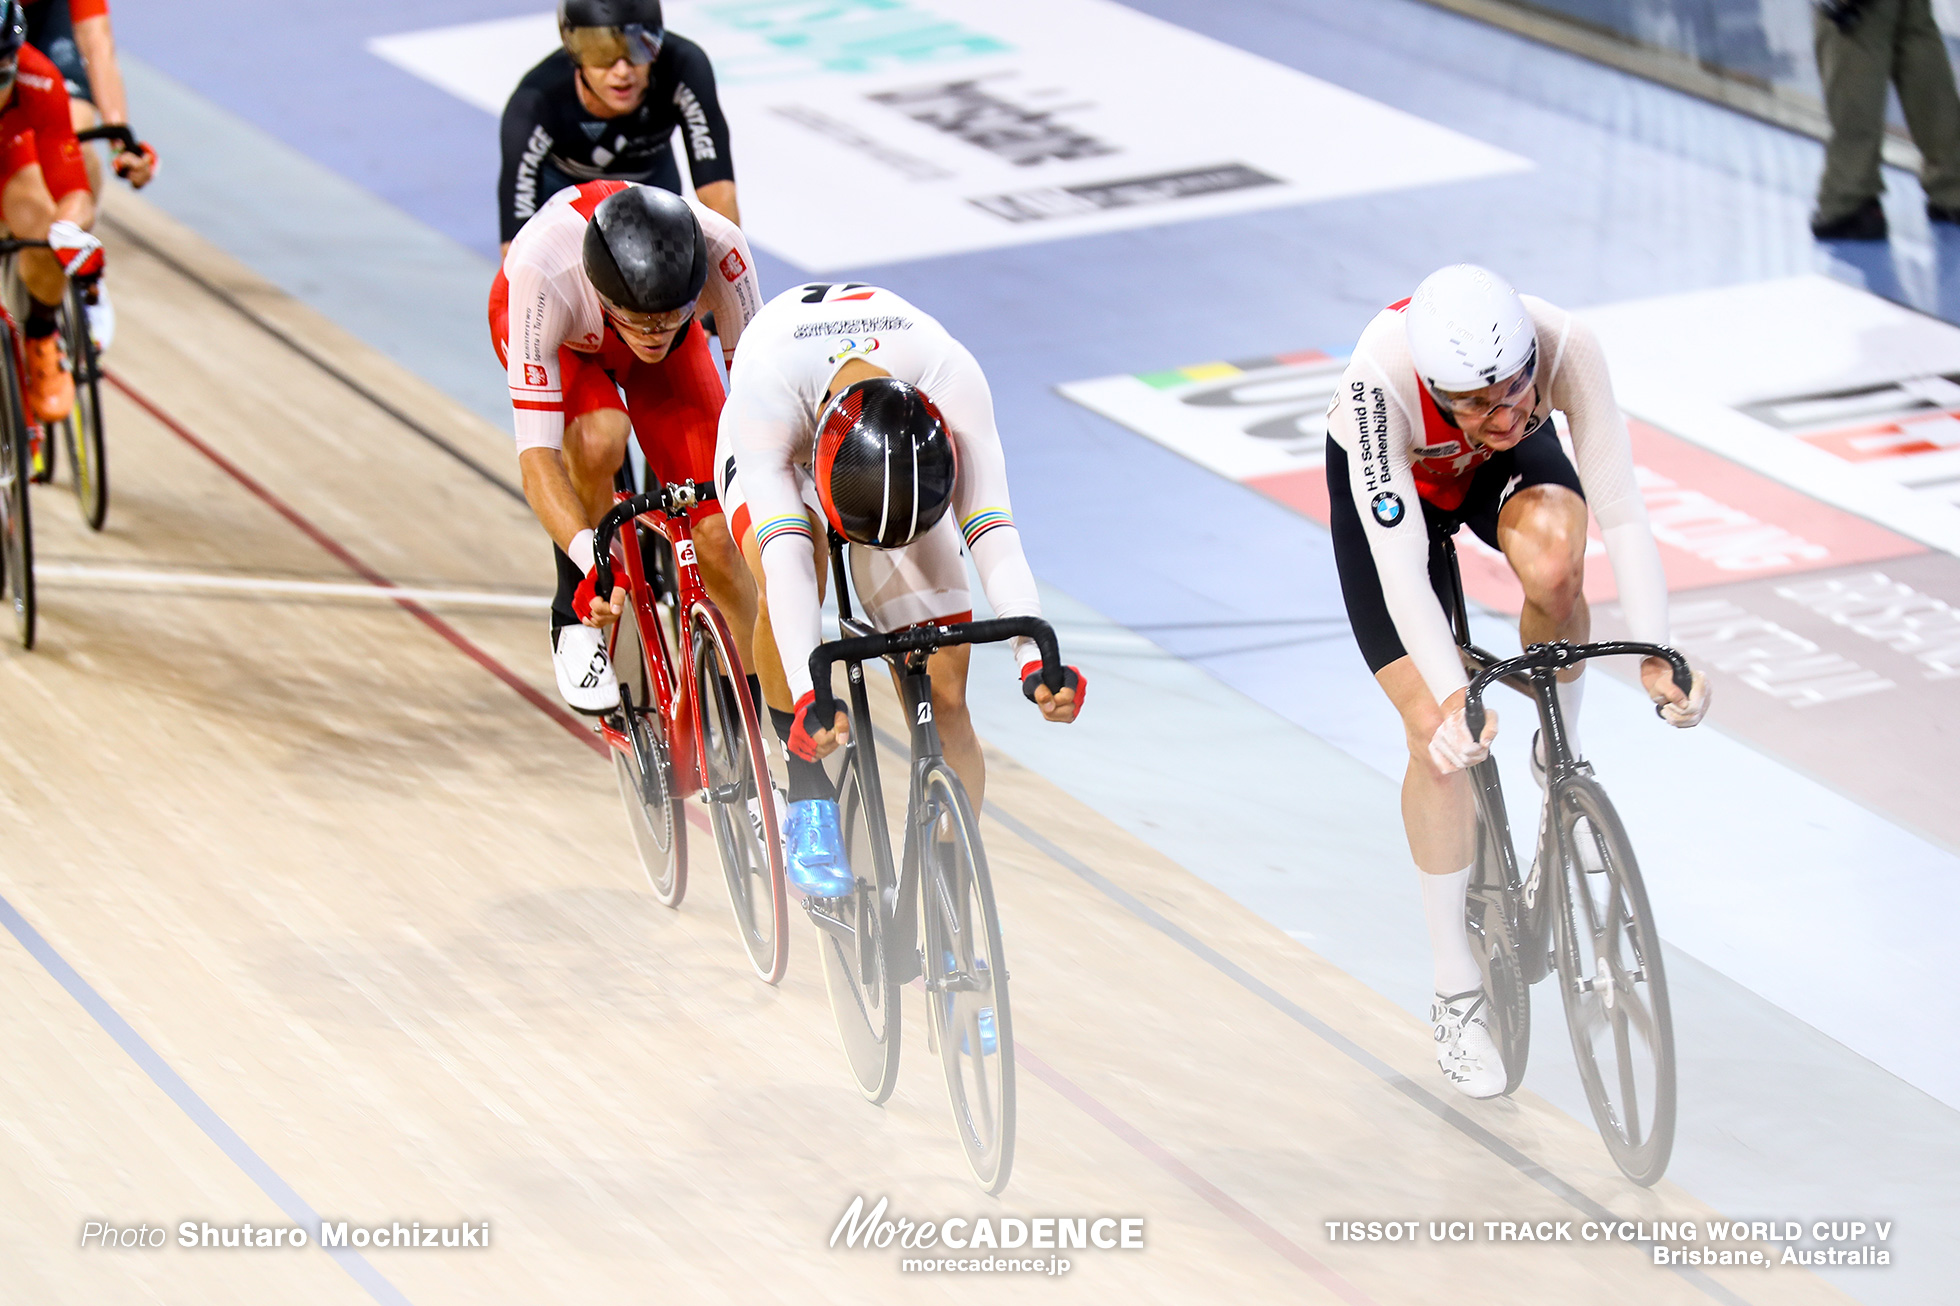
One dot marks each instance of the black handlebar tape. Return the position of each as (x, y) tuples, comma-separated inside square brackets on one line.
[(824, 707), (121, 133), (658, 499)]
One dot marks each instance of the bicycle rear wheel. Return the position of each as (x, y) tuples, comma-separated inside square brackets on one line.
[(741, 797), (82, 432), (16, 521), (851, 931), (646, 771), (1612, 983), (966, 977), (1491, 918)]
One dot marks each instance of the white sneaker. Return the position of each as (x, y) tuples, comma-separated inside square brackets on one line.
[(1464, 1048), (102, 320), (585, 672)]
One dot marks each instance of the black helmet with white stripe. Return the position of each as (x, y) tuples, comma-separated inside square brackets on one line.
[(884, 463)]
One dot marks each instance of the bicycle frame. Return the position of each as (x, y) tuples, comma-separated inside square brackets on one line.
[(908, 651), (651, 511)]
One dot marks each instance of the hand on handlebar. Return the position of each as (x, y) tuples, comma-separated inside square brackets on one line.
[(1452, 749), (1063, 706), (814, 746), (1676, 708), (137, 166), (593, 610)]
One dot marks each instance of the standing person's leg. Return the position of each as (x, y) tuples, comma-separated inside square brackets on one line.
[(1924, 74), (1856, 68)]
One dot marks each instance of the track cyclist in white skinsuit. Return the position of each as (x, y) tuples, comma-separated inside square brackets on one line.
[(849, 405), (1443, 419)]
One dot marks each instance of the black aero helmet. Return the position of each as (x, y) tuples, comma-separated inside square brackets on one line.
[(644, 251), (884, 463), (599, 33)]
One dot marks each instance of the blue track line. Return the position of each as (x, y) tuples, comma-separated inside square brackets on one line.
[(357, 1266)]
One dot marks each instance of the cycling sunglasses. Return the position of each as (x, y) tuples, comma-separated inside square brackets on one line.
[(602, 47), (1475, 408), (649, 324)]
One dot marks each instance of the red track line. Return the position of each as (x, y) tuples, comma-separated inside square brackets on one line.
[(577, 729), (1197, 1183)]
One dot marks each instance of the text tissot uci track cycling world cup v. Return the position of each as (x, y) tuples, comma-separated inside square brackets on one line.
[(884, 651)]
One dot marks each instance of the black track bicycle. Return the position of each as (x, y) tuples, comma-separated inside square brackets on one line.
[(1580, 912), (932, 914)]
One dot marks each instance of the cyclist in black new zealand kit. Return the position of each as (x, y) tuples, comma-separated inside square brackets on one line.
[(606, 106)]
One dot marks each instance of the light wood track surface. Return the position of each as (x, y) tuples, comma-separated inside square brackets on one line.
[(381, 914)]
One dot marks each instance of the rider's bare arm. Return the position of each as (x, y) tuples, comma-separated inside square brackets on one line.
[(97, 44)]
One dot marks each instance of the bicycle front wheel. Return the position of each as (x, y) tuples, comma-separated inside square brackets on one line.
[(966, 977), (1491, 918), (16, 523), (851, 931), (741, 797), (1613, 984), (646, 773), (82, 432)]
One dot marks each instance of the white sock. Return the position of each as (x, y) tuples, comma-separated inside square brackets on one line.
[(1443, 899)]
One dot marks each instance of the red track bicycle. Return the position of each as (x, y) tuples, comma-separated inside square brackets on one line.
[(676, 736)]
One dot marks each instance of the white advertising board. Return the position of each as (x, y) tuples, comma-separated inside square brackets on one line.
[(878, 131)]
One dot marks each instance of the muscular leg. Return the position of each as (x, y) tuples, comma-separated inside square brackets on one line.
[(595, 444), (29, 210), (729, 583), (1542, 531), (1438, 810)]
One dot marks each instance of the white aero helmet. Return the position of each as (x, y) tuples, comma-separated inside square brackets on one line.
[(1467, 329)]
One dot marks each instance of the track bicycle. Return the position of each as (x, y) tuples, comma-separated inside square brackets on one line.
[(1588, 922), (675, 735), (933, 915), (82, 431), (16, 519)]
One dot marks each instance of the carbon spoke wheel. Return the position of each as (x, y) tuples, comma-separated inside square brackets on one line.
[(852, 940), (17, 530), (966, 978), (1613, 985), (82, 432), (645, 774), (741, 797), (1490, 916)]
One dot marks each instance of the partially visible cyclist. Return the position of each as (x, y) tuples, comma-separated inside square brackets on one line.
[(854, 409), (606, 106), (44, 195), (592, 316), (1444, 419), (77, 38)]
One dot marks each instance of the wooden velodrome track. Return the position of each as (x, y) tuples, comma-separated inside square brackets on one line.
[(318, 904)]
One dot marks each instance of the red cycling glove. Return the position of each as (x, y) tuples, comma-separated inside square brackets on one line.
[(1072, 678), (588, 589), (126, 162), (800, 741)]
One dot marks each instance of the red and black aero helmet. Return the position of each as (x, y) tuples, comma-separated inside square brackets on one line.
[(884, 463)]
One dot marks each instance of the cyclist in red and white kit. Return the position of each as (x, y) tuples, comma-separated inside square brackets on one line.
[(853, 408), (594, 318), (1444, 419)]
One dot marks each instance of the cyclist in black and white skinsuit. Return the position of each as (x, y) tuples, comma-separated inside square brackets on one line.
[(808, 346), (606, 106), (1443, 419)]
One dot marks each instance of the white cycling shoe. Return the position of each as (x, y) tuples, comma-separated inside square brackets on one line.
[(1465, 1050), (584, 670)]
